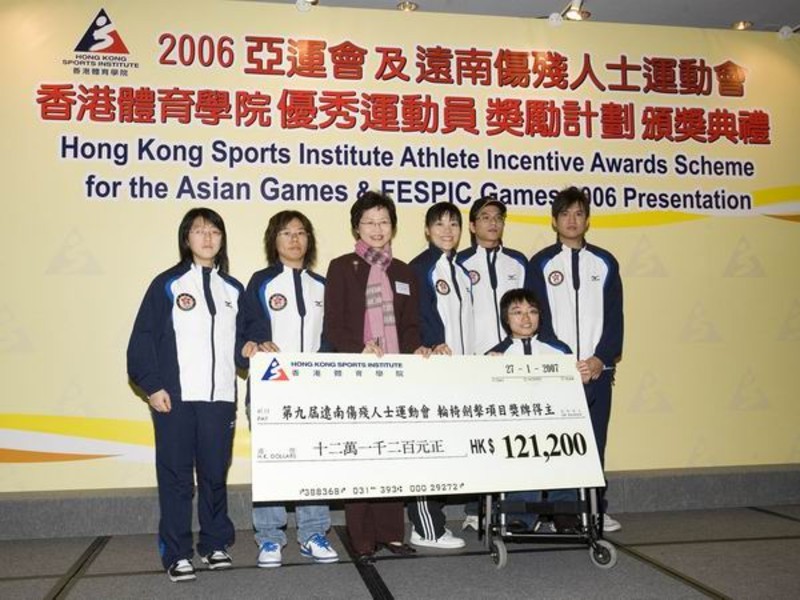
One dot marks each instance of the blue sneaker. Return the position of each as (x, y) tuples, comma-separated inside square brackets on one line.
[(269, 555), (318, 548)]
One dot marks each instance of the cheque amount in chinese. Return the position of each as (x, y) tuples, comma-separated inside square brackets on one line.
[(519, 445)]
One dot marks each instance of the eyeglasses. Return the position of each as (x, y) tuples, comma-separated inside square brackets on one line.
[(288, 235), (204, 232), (518, 314), (486, 219), (373, 224)]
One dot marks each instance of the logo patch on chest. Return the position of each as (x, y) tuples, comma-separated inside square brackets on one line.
[(442, 287), (555, 278), (277, 302), (474, 277), (185, 301)]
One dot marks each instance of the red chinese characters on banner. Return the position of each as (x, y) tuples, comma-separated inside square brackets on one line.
[(393, 64), (307, 59), (730, 78), (348, 61), (264, 55), (136, 105), (253, 108), (420, 114), (435, 65), (503, 67), (312, 109), (550, 69)]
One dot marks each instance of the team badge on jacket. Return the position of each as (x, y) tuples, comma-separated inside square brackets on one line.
[(442, 287), (185, 301), (277, 302), (556, 278), (474, 277)]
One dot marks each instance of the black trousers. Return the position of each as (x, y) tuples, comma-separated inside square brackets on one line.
[(193, 436), (427, 515)]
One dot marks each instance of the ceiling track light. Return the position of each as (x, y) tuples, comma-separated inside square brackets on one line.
[(407, 6), (574, 11), (305, 5), (742, 25), (787, 31)]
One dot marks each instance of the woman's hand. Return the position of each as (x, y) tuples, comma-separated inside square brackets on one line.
[(373, 347), (250, 348), (442, 349), (160, 401), (423, 351)]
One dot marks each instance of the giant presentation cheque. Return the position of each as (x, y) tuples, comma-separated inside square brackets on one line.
[(328, 426)]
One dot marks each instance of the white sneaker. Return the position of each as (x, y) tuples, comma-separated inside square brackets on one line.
[(318, 548), (610, 523), (181, 570), (543, 526), (470, 522), (447, 541), (269, 555), (219, 559)]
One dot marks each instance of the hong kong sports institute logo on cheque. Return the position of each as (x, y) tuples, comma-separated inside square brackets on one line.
[(275, 372)]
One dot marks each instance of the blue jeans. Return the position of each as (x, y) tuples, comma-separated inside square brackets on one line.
[(270, 522)]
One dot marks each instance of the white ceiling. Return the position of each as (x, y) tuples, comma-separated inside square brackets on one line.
[(766, 15)]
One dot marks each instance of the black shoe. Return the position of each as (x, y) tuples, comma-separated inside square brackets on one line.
[(398, 548), (181, 570), (218, 559), (517, 526), (567, 523)]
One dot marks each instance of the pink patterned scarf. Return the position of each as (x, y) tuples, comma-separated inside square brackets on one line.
[(379, 322)]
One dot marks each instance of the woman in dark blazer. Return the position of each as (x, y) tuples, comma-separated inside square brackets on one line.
[(371, 306)]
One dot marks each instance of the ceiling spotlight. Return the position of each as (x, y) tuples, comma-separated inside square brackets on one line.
[(407, 6), (575, 12), (742, 25), (305, 5)]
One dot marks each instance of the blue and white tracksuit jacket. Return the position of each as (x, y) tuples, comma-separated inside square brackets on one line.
[(581, 296), (285, 306), (445, 301), (530, 346), (492, 272), (184, 339)]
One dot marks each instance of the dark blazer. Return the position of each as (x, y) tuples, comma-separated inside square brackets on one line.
[(345, 304)]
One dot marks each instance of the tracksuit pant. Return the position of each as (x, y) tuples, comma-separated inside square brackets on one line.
[(193, 437), (426, 513)]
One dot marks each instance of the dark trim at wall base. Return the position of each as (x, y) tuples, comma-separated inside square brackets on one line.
[(27, 515)]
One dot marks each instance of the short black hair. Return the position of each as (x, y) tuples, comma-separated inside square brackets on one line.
[(481, 202), (209, 216), (278, 223), (566, 198), (440, 209), (515, 296), (370, 200)]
